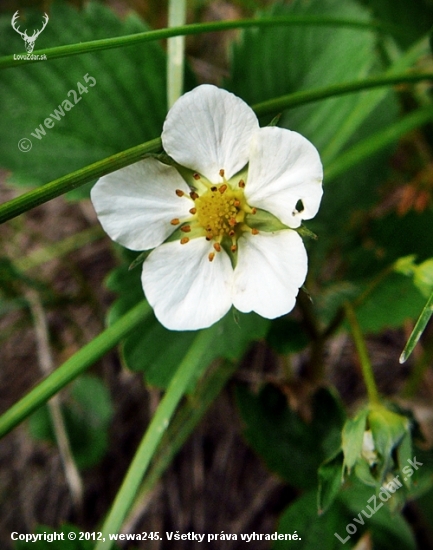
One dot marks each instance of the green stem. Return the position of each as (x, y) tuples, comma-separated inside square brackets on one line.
[(43, 194), (302, 97), (367, 370), (62, 185), (74, 366), (175, 51), (159, 423), (197, 28)]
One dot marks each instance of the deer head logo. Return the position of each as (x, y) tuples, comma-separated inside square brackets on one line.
[(28, 40)]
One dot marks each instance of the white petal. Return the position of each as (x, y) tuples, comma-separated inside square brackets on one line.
[(271, 267), (136, 204), (284, 168), (209, 129), (185, 289)]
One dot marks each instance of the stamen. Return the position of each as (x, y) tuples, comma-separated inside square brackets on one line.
[(222, 172), (217, 247), (214, 188), (241, 184), (254, 231), (232, 233), (175, 221), (184, 240), (232, 222), (192, 210), (179, 193), (236, 203), (211, 256), (193, 195), (254, 211), (223, 187), (186, 228), (196, 176), (233, 248)]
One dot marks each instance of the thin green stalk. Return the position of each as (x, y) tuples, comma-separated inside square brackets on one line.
[(367, 370), (198, 28), (62, 185), (175, 51), (159, 423), (310, 96), (75, 365), (43, 194)]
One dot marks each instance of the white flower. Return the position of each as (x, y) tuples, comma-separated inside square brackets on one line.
[(215, 256)]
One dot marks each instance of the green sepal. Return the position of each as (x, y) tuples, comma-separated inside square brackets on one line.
[(162, 157), (330, 481), (139, 259), (275, 120), (264, 221), (352, 438), (304, 232)]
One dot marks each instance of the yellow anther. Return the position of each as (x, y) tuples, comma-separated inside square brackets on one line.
[(254, 231), (213, 188), (175, 221), (193, 195), (186, 228), (222, 172), (179, 193), (192, 210), (254, 211), (211, 256), (196, 176), (241, 184), (184, 240), (217, 247), (236, 203), (223, 187)]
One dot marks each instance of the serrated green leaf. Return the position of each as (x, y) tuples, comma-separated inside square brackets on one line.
[(125, 106)]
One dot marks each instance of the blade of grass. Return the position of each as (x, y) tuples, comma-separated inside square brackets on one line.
[(58, 187), (159, 423), (419, 328), (75, 365), (184, 422), (197, 28)]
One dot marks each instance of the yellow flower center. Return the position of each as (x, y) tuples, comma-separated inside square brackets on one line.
[(219, 210), (218, 214)]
